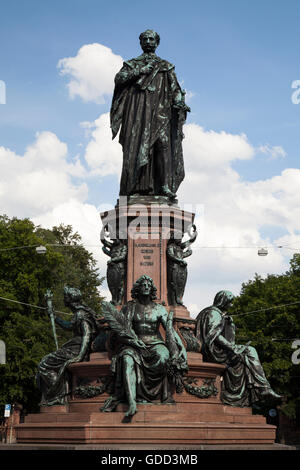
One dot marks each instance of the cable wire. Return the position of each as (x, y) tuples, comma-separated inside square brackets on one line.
[(34, 306), (265, 309)]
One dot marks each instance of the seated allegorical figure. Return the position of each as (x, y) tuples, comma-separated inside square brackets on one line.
[(143, 362), (52, 376), (244, 381)]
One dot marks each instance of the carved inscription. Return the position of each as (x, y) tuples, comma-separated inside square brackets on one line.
[(146, 250), (147, 260)]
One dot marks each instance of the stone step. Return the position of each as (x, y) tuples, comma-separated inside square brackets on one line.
[(197, 408), (162, 433), (57, 418), (142, 417), (201, 417), (178, 418)]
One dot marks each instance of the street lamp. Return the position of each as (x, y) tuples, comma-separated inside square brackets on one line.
[(262, 252), (41, 250)]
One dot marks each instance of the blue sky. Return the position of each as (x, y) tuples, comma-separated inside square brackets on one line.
[(236, 59)]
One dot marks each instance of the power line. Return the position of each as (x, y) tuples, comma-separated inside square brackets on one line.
[(23, 303), (284, 339), (18, 247), (265, 309), (195, 248), (47, 244), (33, 306), (237, 314)]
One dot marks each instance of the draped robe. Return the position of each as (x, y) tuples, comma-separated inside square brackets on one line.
[(244, 378), (151, 128), (151, 365), (52, 376)]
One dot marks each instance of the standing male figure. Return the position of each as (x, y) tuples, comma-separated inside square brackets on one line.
[(148, 105)]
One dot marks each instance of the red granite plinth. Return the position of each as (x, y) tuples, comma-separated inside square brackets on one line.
[(190, 420), (148, 228)]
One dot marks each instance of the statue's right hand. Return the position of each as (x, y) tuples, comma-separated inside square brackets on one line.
[(146, 69), (48, 294), (239, 349)]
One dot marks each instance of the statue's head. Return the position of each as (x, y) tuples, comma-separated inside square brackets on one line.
[(223, 299), (71, 295), (149, 40), (144, 286)]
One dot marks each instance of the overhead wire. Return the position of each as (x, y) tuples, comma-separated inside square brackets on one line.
[(33, 306), (265, 309), (195, 247), (236, 314)]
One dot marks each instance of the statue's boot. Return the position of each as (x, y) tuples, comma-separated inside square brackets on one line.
[(179, 301), (167, 192)]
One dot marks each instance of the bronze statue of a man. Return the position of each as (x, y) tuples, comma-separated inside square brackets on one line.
[(148, 105)]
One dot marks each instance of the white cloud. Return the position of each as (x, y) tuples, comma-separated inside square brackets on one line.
[(274, 152), (205, 149), (40, 179), (91, 72), (234, 213), (84, 219), (102, 154)]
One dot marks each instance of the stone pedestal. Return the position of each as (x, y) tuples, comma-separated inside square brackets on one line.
[(190, 420), (147, 228)]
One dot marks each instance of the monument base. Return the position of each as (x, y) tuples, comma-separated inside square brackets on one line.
[(196, 417)]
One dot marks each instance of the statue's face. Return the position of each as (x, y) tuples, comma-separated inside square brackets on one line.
[(145, 287), (149, 42), (228, 305)]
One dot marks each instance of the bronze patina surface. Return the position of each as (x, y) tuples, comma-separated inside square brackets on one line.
[(149, 109)]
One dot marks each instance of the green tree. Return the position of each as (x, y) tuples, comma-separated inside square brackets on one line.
[(24, 277), (261, 318)]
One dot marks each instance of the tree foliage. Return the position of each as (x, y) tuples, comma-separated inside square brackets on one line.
[(267, 313), (24, 277)]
